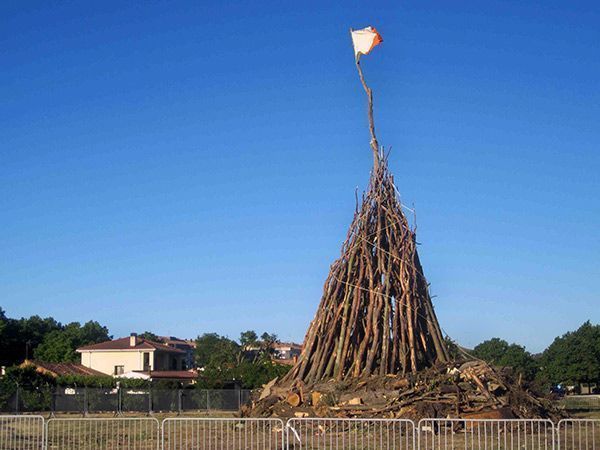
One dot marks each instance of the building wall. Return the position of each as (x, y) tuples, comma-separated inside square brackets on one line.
[(188, 349), (287, 352), (105, 361)]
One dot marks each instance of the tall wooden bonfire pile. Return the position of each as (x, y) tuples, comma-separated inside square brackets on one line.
[(376, 315), (374, 347)]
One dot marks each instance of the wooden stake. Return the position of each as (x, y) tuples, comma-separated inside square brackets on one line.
[(369, 92)]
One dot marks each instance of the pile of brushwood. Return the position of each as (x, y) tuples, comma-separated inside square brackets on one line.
[(468, 389)]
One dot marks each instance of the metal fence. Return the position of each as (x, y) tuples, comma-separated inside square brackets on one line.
[(220, 434), (350, 434), (27, 400), (578, 434), (96, 400), (581, 402), (533, 434), (103, 434), (25, 432), (21, 432)]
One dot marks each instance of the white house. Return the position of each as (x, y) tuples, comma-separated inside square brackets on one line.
[(132, 354)]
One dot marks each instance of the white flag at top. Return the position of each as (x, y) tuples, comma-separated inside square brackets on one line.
[(364, 40)]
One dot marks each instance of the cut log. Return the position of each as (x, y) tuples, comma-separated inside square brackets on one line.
[(354, 402), (315, 398), (293, 399)]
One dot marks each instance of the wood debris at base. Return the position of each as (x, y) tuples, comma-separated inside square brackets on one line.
[(469, 389)]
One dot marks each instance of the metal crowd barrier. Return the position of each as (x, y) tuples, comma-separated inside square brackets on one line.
[(103, 434), (221, 434), (581, 402), (25, 432), (21, 432), (532, 434), (350, 434), (578, 434)]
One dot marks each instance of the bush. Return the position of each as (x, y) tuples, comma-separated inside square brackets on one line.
[(35, 389), (250, 374)]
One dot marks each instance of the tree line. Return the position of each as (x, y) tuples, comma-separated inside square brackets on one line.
[(250, 362), (222, 361), (45, 339), (572, 358)]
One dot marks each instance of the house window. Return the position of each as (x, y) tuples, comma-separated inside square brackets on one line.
[(119, 370), (146, 361)]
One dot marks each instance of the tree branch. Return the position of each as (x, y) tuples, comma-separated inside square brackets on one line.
[(369, 92)]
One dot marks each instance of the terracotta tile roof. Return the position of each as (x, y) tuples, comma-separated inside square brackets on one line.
[(124, 344), (61, 369)]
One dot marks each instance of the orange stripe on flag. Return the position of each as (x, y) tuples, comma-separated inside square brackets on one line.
[(376, 41)]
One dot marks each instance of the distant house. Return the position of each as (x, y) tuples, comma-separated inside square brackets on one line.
[(286, 352), (133, 354), (60, 369), (188, 346), (282, 352)]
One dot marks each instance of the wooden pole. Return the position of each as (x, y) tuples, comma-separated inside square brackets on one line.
[(369, 92)]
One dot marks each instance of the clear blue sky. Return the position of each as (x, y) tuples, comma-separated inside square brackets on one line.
[(190, 167)]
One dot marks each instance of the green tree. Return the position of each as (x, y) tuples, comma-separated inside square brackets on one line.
[(36, 392), (268, 342), (148, 335), (3, 322), (60, 345), (573, 357), (498, 352), (491, 350), (248, 338), (90, 333), (453, 348), (216, 351), (35, 328), (223, 360), (20, 337), (254, 374)]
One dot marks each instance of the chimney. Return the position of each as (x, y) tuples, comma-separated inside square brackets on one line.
[(133, 340)]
